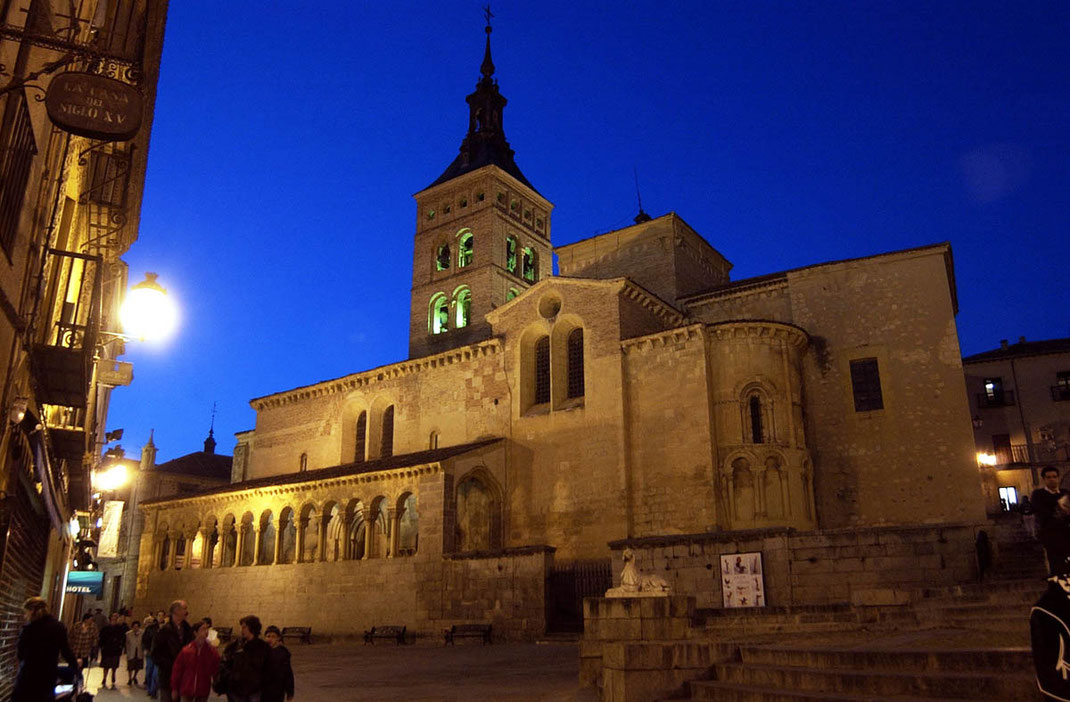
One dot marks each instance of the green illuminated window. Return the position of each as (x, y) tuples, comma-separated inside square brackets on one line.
[(439, 317), (513, 292), (510, 254), (529, 265), (466, 243), (462, 303), (442, 258)]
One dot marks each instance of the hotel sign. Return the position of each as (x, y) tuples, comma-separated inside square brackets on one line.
[(94, 106), (85, 582)]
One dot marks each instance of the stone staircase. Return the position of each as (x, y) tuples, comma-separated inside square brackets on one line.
[(966, 642)]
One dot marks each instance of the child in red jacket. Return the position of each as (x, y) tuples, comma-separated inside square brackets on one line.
[(196, 665)]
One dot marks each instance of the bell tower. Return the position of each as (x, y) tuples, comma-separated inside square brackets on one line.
[(482, 232)]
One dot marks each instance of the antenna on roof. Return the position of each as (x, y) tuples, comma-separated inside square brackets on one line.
[(642, 216)]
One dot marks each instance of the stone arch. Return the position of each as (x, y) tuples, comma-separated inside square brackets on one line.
[(353, 450), (479, 519), (408, 524), (228, 540), (377, 413), (774, 487), (287, 536), (247, 540), (210, 550), (332, 521), (378, 521), (529, 338), (267, 534), (756, 400), (562, 379), (743, 493), (356, 528), (165, 547), (308, 541)]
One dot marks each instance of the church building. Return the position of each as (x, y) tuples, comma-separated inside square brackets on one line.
[(542, 422)]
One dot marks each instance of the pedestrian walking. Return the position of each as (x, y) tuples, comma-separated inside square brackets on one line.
[(84, 637), (112, 643), (1051, 504), (134, 655), (167, 644), (101, 621), (245, 663), (41, 642), (195, 667), (151, 627), (279, 685), (1029, 517)]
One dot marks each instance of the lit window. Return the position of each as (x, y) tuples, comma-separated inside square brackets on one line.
[(430, 214), (442, 258), (463, 305), (575, 363), (465, 245), (994, 390), (439, 318), (510, 254), (529, 265), (542, 370), (866, 385), (513, 292)]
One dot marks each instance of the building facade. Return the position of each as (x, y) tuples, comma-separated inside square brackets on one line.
[(639, 394), (1020, 404), (70, 198)]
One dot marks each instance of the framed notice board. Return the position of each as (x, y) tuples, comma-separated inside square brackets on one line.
[(742, 580)]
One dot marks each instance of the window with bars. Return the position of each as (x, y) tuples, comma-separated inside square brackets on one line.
[(386, 446), (542, 370), (866, 385), (362, 437), (109, 176), (575, 363), (16, 158)]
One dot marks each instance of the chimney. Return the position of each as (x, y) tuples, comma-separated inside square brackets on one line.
[(1003, 343)]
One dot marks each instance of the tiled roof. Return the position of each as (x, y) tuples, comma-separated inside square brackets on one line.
[(200, 464), (1022, 348), (400, 461)]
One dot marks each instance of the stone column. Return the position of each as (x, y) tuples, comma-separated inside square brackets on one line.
[(369, 534), (172, 557), (393, 518), (206, 547), (256, 544), (239, 543), (299, 547), (277, 551)]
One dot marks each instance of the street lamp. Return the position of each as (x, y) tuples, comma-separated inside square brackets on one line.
[(147, 312)]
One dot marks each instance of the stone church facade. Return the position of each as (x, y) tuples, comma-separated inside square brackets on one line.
[(638, 395)]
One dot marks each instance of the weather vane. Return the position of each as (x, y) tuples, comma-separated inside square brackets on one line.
[(487, 14)]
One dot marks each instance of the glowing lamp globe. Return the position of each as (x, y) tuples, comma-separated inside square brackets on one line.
[(147, 313)]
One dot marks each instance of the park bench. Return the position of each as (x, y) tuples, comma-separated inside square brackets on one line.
[(225, 633), (304, 633), (385, 632), (468, 631)]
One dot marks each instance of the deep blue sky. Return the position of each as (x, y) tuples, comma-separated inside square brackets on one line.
[(287, 144)]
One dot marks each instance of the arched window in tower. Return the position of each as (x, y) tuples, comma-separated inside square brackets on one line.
[(442, 258), (386, 446), (303, 463), (466, 243), (575, 363), (757, 433), (510, 254), (462, 304), (542, 370), (513, 292), (438, 314), (529, 265), (362, 438)]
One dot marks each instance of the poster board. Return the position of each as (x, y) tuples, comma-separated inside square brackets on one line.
[(742, 580)]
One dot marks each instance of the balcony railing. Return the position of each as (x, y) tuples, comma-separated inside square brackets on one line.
[(70, 313), (1060, 393), (1015, 453), (1003, 398)]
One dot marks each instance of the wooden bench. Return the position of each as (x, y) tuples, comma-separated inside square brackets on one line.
[(468, 631), (385, 632), (304, 633), (225, 633)]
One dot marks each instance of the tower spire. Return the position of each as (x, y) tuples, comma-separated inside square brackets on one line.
[(487, 69), (209, 443)]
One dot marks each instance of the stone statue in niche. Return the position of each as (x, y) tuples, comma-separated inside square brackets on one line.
[(635, 583)]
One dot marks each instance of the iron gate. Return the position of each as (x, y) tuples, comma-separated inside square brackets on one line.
[(566, 586)]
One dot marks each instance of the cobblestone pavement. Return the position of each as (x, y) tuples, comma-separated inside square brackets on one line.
[(353, 672)]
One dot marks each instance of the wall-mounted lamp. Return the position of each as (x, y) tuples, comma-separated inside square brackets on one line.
[(147, 312)]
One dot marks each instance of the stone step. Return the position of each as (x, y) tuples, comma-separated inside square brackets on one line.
[(993, 623), (989, 587), (1003, 686), (981, 609), (1014, 660), (730, 692)]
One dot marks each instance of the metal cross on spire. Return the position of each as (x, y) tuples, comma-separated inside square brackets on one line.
[(488, 15)]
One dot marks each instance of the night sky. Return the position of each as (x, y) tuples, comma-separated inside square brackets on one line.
[(289, 138)]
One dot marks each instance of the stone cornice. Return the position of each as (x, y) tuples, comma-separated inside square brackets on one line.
[(653, 303), (378, 375), (745, 328), (661, 339)]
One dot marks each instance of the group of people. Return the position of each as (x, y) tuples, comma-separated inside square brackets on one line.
[(182, 661)]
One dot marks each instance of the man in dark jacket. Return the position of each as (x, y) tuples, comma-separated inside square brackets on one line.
[(1051, 504), (41, 642), (280, 681), (246, 663), (167, 644)]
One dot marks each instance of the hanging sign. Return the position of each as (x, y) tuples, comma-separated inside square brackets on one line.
[(742, 581), (94, 106), (110, 524), (85, 582)]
